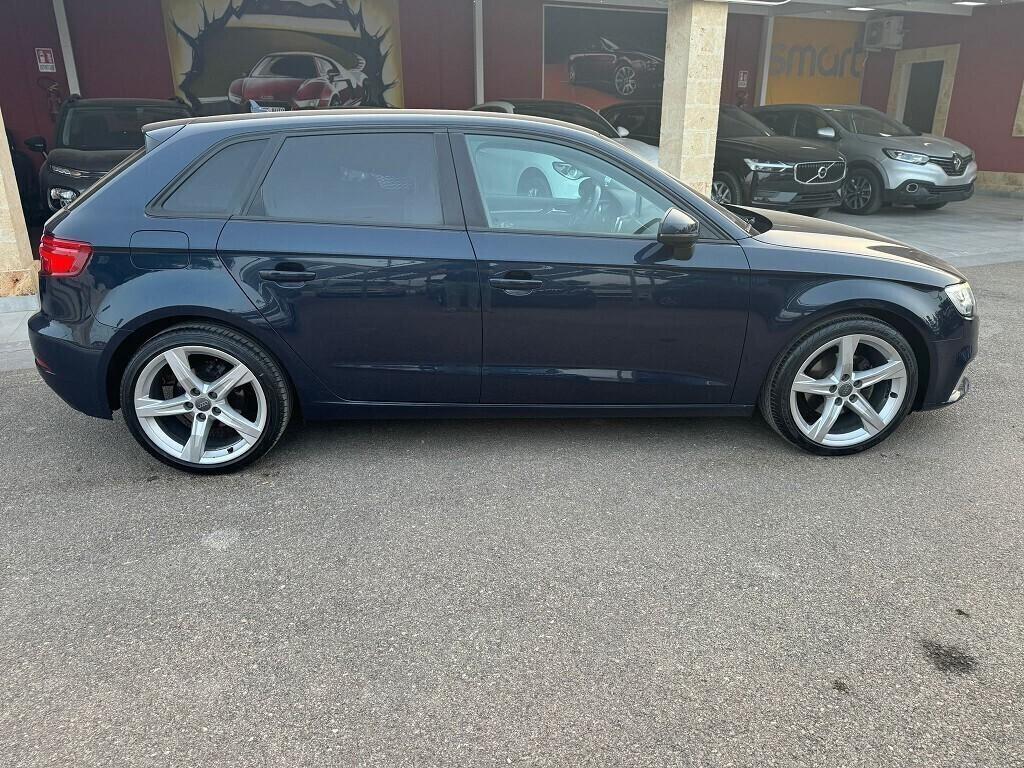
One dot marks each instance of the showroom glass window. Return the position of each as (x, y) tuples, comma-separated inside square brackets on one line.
[(573, 192), (214, 187), (382, 179)]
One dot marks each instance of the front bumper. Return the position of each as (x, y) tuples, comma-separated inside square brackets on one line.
[(74, 372), (781, 191), (914, 192), (947, 381)]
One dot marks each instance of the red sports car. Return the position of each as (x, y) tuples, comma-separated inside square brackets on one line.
[(298, 80)]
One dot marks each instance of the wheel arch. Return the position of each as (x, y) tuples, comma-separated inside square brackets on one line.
[(120, 352)]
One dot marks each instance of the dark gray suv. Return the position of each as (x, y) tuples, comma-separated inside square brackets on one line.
[(888, 161)]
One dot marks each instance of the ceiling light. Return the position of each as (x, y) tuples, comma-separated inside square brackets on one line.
[(860, 8), (967, 2)]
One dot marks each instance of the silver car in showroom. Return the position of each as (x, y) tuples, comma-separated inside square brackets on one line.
[(889, 162)]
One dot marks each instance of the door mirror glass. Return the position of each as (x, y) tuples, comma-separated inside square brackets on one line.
[(678, 229), (36, 144), (622, 130), (827, 132)]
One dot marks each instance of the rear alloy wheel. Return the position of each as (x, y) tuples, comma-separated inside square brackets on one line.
[(862, 193), (842, 388), (205, 399), (626, 82)]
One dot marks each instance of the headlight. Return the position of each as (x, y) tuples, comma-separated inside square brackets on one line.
[(63, 171), (570, 171), (907, 157), (962, 297), (768, 166)]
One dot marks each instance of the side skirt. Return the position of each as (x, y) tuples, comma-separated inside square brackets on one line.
[(348, 410)]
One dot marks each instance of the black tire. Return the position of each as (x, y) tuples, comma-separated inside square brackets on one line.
[(266, 370), (774, 402), (729, 182), (855, 201), (533, 183), (931, 206)]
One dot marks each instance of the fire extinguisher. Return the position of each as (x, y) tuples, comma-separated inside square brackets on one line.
[(54, 95)]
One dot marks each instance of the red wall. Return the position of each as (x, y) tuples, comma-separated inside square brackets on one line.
[(120, 49), (742, 52), (437, 53), (513, 48), (24, 26), (989, 74)]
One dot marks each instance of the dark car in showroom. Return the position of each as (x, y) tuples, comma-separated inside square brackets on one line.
[(373, 264), (890, 163), (298, 80), (624, 71), (92, 136), (752, 164)]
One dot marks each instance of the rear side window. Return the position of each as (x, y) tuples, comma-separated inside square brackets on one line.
[(383, 179), (216, 185)]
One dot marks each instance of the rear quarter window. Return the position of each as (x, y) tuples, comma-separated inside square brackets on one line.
[(216, 186)]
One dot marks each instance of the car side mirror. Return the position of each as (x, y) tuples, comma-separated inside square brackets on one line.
[(827, 132), (36, 144), (622, 131), (678, 229)]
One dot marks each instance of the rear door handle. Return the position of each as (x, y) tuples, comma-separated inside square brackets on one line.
[(286, 276), (512, 284)]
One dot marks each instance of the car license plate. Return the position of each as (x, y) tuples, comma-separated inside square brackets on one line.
[(254, 107)]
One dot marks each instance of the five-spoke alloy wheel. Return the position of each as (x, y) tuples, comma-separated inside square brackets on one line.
[(842, 388), (205, 398)]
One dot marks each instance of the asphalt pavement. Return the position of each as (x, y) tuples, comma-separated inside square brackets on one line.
[(548, 593)]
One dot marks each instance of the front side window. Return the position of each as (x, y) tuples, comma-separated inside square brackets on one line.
[(807, 125), (540, 186), (778, 121), (382, 179), (869, 122), (214, 187)]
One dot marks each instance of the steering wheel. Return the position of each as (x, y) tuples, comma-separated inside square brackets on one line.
[(590, 201)]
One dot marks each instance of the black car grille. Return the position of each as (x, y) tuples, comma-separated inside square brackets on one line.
[(820, 173), (953, 166), (817, 198)]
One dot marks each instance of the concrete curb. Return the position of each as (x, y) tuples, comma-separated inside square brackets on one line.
[(19, 303)]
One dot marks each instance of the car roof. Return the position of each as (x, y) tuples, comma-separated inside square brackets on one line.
[(327, 118)]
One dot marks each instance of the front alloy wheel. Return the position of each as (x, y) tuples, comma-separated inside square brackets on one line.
[(848, 390), (205, 399), (721, 193), (842, 388)]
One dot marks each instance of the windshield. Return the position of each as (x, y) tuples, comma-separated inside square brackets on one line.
[(111, 128), (570, 113), (869, 122), (734, 123)]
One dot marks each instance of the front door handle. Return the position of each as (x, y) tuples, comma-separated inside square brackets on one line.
[(286, 276)]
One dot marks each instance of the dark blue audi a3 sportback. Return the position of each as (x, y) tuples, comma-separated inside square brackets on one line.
[(237, 271)]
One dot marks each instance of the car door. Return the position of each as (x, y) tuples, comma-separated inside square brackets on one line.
[(353, 248), (581, 304)]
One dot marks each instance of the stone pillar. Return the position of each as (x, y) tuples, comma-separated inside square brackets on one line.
[(17, 270), (694, 50)]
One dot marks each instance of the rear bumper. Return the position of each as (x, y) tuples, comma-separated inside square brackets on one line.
[(74, 372), (948, 382)]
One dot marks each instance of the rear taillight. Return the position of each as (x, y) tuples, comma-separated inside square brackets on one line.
[(62, 258)]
